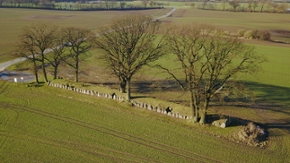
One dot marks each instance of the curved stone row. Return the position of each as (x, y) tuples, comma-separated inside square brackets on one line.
[(113, 96), (85, 91), (158, 109)]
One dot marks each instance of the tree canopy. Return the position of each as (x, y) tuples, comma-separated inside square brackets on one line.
[(129, 43), (209, 58)]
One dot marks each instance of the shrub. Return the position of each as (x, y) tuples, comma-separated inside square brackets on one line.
[(241, 32), (248, 34), (264, 35), (251, 34)]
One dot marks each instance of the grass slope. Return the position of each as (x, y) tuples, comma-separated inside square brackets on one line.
[(47, 124)]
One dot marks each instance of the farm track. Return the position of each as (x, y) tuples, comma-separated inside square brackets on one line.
[(188, 155)]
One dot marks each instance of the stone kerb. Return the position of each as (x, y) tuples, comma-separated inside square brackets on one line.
[(134, 103)]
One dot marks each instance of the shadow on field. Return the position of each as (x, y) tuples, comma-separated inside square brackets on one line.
[(270, 99), (270, 93)]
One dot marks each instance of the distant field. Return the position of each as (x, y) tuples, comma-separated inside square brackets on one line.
[(47, 124), (233, 21), (13, 21)]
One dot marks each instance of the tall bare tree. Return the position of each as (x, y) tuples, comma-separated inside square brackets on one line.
[(34, 43), (25, 49), (224, 2), (79, 42), (209, 59), (262, 3), (234, 4), (203, 4), (145, 3), (129, 43), (57, 54)]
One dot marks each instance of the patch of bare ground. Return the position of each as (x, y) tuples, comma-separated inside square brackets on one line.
[(281, 33)]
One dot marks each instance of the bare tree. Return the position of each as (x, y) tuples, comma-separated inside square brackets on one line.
[(113, 3), (209, 59), (57, 55), (234, 4), (186, 43), (34, 43), (262, 3), (282, 7), (272, 4), (224, 2), (129, 43), (255, 5), (152, 3), (79, 42), (250, 5), (203, 3), (25, 49), (123, 4), (145, 3)]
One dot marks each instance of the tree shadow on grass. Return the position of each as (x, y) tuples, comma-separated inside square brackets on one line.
[(35, 84), (270, 98), (270, 93)]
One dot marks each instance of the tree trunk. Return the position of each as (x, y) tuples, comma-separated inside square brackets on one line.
[(203, 111), (128, 81), (194, 108), (123, 84), (77, 70), (261, 10), (76, 75), (35, 71), (44, 72), (55, 72), (202, 116)]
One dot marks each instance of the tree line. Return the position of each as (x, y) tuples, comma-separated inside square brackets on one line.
[(207, 59), (80, 5), (243, 5)]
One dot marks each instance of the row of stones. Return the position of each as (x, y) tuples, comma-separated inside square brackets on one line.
[(158, 109), (119, 98), (84, 91)]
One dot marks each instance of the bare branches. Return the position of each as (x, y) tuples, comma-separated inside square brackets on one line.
[(129, 43), (79, 42), (33, 43), (209, 59)]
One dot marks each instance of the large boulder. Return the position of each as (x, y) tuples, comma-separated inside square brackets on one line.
[(223, 123)]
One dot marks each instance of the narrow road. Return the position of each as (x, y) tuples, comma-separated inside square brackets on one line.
[(9, 63)]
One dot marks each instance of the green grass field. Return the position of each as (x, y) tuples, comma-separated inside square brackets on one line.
[(46, 124)]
